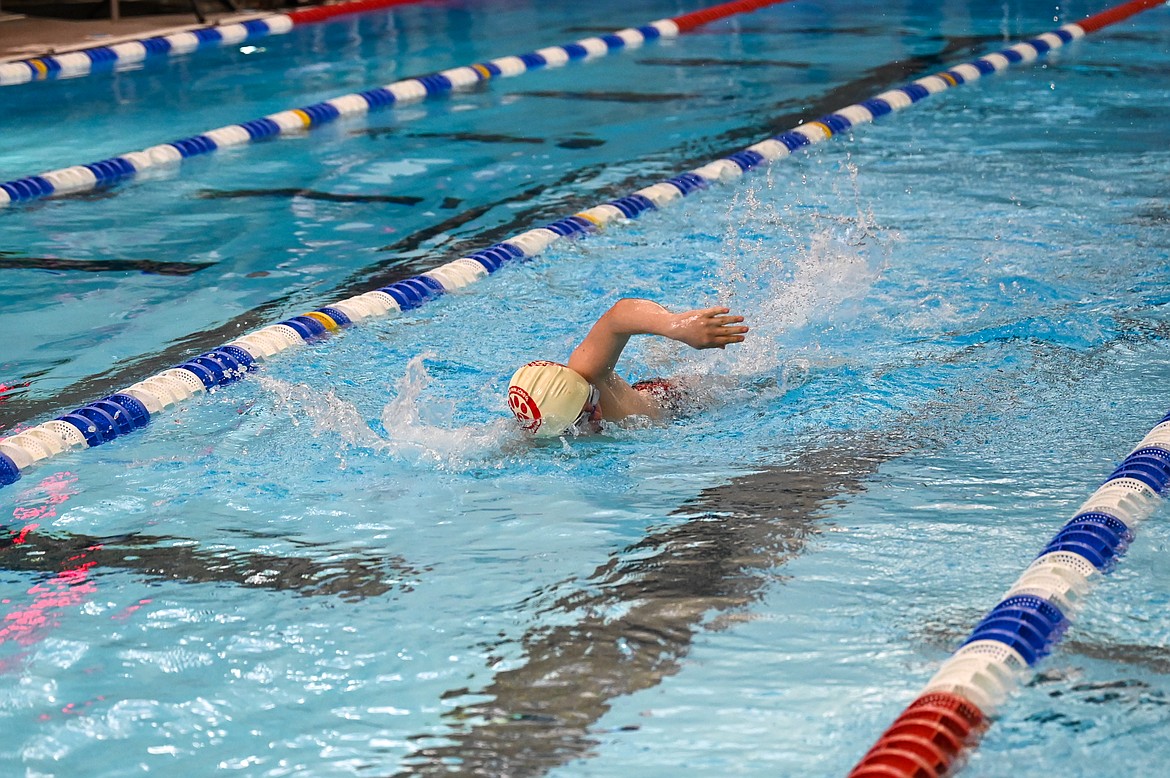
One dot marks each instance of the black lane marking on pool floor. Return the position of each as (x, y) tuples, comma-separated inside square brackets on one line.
[(871, 82), (307, 194), (25, 407), (469, 137), (11, 261), (671, 585), (579, 143), (350, 576), (583, 141), (611, 97), (713, 62)]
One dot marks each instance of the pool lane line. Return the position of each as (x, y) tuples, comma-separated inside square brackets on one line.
[(950, 714), (931, 736), (132, 408), (82, 178), (83, 60)]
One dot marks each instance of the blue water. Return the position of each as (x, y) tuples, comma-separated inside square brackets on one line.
[(353, 564)]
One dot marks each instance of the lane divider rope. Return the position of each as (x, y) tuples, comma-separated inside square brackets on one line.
[(132, 408), (81, 178), (931, 736), (957, 704), (84, 60)]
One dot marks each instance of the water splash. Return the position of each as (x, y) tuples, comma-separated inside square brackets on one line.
[(419, 428), (796, 268), (424, 427)]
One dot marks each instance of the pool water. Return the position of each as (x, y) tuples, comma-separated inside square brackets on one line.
[(353, 564)]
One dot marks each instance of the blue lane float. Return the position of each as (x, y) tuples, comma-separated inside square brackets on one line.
[(1035, 612), (231, 362), (81, 178), (1023, 628)]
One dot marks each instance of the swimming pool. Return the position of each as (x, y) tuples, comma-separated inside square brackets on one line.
[(947, 357)]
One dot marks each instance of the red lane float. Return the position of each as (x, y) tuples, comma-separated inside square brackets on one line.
[(1117, 14), (694, 19), (323, 13), (926, 740)]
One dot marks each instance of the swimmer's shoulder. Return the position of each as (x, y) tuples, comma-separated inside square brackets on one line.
[(669, 395)]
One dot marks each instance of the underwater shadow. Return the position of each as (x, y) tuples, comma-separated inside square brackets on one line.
[(673, 584), (158, 558)]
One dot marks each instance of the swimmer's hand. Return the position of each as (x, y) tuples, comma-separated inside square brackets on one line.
[(707, 328)]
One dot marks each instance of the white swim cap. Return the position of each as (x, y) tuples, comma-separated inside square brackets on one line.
[(547, 398)]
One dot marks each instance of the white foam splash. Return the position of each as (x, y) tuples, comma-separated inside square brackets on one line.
[(418, 428), (792, 270), (424, 429)]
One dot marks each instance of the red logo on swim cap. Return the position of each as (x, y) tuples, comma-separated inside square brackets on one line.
[(525, 409)]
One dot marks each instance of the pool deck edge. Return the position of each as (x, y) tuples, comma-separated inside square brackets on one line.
[(36, 36)]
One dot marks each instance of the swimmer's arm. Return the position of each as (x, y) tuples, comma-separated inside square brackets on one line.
[(597, 356)]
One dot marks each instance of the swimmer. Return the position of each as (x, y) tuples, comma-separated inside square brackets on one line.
[(551, 399)]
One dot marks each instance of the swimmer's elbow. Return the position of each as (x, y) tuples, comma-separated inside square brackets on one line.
[(635, 316)]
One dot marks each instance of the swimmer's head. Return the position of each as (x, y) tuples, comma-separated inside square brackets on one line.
[(549, 399)]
